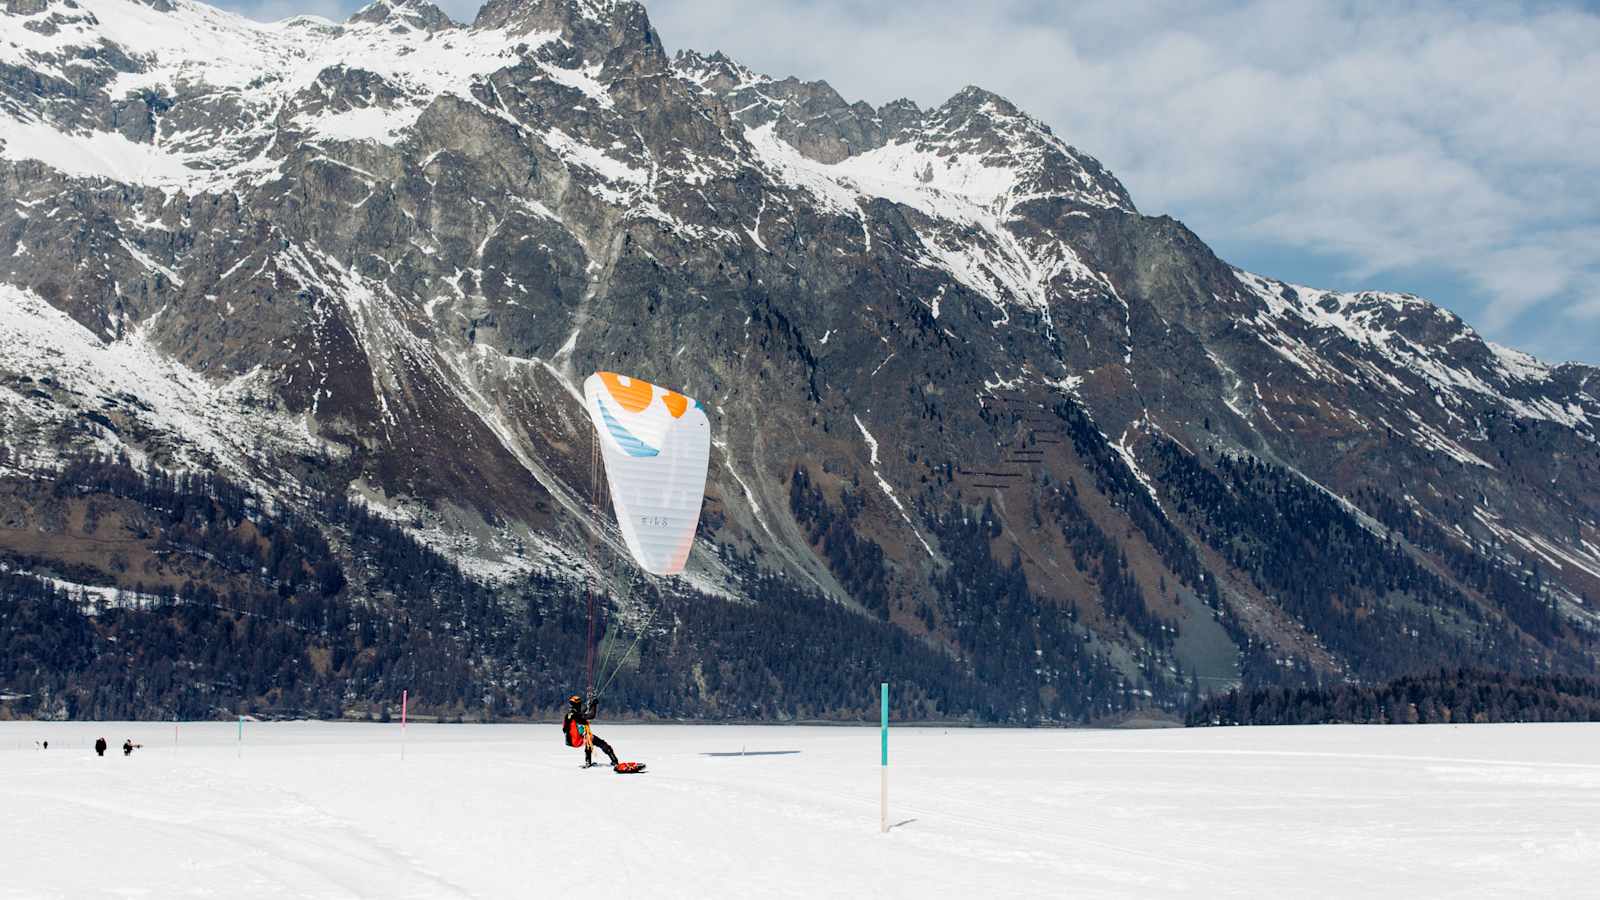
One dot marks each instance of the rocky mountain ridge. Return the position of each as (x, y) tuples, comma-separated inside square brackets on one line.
[(373, 259)]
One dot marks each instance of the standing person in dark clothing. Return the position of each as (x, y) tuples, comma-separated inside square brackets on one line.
[(100, 747), (576, 730)]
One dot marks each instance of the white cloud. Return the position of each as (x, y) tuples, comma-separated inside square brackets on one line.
[(1401, 138)]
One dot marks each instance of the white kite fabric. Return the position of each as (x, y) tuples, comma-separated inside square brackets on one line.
[(656, 444)]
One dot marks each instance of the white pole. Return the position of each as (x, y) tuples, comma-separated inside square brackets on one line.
[(883, 801), (883, 793)]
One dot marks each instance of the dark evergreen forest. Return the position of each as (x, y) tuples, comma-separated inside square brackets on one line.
[(303, 633), (1445, 696), (327, 610)]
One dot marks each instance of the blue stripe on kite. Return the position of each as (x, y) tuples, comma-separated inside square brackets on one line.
[(625, 439)]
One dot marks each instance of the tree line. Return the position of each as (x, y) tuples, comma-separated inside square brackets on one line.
[(1444, 696)]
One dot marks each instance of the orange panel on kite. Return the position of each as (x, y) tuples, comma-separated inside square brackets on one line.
[(633, 396)]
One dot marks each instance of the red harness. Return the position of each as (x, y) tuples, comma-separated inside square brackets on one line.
[(577, 734)]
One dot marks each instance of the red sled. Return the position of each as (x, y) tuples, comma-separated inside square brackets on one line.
[(628, 768)]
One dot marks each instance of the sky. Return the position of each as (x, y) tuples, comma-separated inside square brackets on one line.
[(1449, 150)]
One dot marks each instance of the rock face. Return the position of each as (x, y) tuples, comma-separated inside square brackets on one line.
[(379, 256)]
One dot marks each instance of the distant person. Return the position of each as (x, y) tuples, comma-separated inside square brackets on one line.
[(100, 747), (128, 746), (47, 745), (577, 730)]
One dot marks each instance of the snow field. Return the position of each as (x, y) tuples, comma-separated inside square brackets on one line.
[(332, 810)]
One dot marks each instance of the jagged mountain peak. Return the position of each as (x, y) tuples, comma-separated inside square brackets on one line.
[(810, 116), (549, 14), (615, 34), (977, 134), (314, 24), (688, 60), (418, 14), (974, 97)]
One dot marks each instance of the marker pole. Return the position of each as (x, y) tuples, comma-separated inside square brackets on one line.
[(883, 768), (405, 697), (240, 751)]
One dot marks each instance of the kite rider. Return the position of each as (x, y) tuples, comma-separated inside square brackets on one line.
[(577, 732)]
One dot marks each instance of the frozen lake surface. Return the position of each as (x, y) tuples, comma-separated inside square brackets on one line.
[(332, 810)]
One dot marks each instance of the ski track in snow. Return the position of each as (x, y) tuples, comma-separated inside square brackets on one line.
[(333, 810)]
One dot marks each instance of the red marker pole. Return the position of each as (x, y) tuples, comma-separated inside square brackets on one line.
[(405, 697)]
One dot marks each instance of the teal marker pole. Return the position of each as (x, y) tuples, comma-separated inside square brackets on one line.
[(883, 795)]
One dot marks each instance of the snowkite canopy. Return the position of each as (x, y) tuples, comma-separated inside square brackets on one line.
[(656, 444)]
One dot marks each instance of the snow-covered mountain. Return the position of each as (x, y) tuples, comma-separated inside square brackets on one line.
[(379, 256)]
